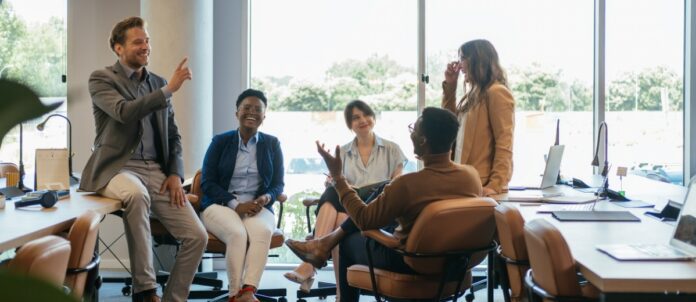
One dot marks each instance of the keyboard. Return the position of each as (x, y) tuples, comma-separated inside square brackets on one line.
[(548, 208), (658, 250)]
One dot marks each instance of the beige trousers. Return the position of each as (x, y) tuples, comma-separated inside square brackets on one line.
[(138, 185), (247, 241)]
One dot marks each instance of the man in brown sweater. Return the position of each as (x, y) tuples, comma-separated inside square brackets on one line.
[(402, 200)]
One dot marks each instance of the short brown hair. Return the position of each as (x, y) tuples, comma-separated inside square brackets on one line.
[(118, 33), (357, 104)]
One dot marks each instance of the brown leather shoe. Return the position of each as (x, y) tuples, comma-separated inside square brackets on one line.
[(310, 255), (149, 295)]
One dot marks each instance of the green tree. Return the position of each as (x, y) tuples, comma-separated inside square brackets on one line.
[(649, 86), (41, 59), (580, 97), (306, 97), (33, 55), (12, 31), (535, 89)]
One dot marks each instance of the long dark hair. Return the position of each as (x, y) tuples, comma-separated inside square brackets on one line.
[(484, 70)]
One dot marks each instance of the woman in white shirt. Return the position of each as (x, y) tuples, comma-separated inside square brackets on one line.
[(368, 162)]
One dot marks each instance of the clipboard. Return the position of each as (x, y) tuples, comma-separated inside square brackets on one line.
[(51, 170)]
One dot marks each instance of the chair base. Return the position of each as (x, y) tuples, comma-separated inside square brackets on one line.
[(323, 290)]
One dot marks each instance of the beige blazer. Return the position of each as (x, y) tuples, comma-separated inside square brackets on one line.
[(488, 136)]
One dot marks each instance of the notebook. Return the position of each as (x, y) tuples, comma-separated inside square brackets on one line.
[(595, 216), (682, 244)]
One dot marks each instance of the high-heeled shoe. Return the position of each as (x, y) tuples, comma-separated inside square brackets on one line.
[(306, 285), (297, 278)]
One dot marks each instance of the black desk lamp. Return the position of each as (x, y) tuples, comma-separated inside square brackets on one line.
[(21, 185), (595, 161), (73, 179)]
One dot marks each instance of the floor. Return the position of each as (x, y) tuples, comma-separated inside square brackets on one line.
[(111, 292)]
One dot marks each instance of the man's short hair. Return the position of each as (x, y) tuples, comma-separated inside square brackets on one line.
[(360, 105), (252, 92), (440, 127), (118, 33)]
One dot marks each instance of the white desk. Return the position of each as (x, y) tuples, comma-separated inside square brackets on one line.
[(628, 280), (19, 226)]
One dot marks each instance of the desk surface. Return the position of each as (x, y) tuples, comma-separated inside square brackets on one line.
[(19, 226), (610, 275), (613, 276)]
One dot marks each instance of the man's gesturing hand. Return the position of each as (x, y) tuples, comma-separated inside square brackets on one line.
[(332, 162), (181, 74)]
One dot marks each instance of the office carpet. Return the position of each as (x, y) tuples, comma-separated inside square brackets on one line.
[(111, 292)]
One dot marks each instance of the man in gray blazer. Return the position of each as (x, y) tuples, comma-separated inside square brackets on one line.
[(137, 159)]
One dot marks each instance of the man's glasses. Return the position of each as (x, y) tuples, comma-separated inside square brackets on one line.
[(410, 128)]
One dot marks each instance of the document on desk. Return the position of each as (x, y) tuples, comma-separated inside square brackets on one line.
[(52, 172)]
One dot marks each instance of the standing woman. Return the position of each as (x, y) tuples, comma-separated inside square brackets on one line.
[(242, 176), (486, 114)]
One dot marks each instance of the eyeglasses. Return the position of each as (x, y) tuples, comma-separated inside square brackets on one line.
[(410, 127), (252, 109)]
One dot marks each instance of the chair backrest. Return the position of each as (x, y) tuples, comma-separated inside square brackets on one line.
[(196, 190), (460, 224), (7, 168), (45, 258), (553, 266), (510, 226), (83, 239)]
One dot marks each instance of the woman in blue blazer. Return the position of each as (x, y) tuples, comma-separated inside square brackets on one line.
[(242, 176)]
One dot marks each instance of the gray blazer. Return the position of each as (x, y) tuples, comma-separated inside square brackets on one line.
[(117, 115)]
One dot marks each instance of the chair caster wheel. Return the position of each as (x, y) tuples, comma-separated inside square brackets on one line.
[(282, 299), (301, 300), (126, 291), (469, 297)]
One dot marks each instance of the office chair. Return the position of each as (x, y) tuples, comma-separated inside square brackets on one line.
[(161, 236), (82, 272), (216, 246), (512, 252), (45, 258), (553, 276), (7, 167), (465, 228)]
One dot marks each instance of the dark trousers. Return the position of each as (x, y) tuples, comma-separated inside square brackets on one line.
[(352, 250)]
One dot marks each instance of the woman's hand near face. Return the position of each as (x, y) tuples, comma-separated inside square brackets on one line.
[(452, 73)]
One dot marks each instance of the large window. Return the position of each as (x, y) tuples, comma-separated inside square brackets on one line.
[(32, 51), (644, 99), (546, 49), (311, 57)]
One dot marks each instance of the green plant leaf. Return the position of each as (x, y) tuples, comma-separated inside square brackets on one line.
[(18, 103), (16, 288)]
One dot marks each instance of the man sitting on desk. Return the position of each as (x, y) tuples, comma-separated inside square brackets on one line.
[(137, 159), (402, 200)]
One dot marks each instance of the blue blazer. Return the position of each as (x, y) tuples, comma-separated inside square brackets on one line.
[(219, 162)]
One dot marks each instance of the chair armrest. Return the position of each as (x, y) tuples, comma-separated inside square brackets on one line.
[(383, 238), (195, 202), (308, 202), (282, 197)]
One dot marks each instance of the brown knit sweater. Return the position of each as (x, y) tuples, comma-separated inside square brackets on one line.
[(408, 194)]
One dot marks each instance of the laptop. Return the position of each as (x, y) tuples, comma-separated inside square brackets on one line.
[(551, 170), (682, 244)]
